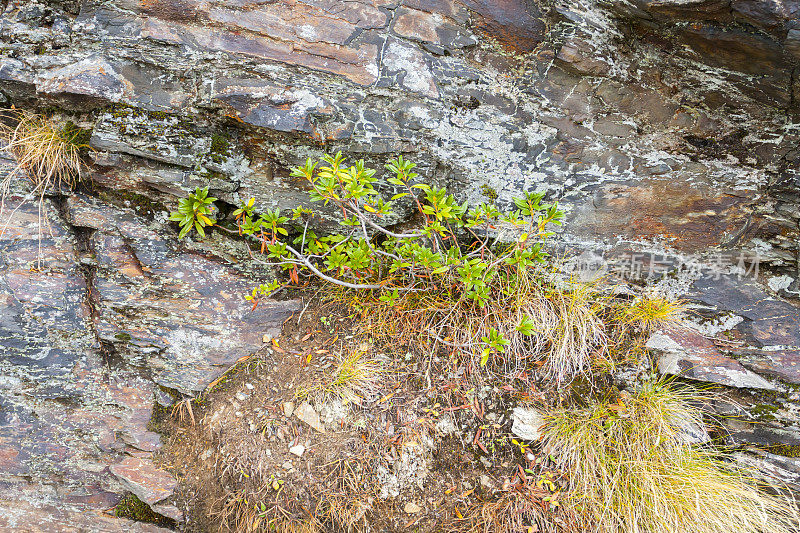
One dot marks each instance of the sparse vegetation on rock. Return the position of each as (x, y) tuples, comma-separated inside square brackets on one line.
[(667, 130), (469, 293), (47, 153)]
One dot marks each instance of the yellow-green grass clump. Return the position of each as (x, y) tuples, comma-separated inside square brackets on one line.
[(355, 378), (50, 153), (651, 312), (633, 470)]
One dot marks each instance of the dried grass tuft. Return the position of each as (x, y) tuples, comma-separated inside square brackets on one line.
[(519, 509), (575, 334), (651, 312), (349, 493), (47, 152), (561, 325), (631, 470), (355, 379)]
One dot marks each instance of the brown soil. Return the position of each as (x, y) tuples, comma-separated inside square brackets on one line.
[(448, 446)]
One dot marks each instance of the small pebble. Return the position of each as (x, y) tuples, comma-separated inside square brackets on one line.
[(297, 450), (412, 508)]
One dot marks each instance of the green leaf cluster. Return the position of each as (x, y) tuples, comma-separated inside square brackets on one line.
[(194, 212), (454, 250)]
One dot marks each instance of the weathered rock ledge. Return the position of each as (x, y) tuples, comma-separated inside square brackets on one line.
[(103, 315), (669, 130), (664, 121)]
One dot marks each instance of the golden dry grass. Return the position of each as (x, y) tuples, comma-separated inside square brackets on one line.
[(519, 509), (631, 470), (651, 312), (355, 378), (47, 152), (577, 332), (349, 494), (183, 411), (558, 328), (244, 512)]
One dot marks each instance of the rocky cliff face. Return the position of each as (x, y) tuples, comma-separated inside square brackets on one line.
[(653, 120), (669, 129)]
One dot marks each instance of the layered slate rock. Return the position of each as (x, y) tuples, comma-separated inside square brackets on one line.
[(518, 24), (636, 139), (666, 127), (93, 325), (768, 333), (772, 466), (267, 105), (686, 353), (747, 38), (182, 315), (148, 483), (65, 415), (744, 339), (21, 515), (315, 35)]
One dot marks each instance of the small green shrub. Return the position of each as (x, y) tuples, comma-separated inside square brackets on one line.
[(194, 213), (451, 281), (453, 248)]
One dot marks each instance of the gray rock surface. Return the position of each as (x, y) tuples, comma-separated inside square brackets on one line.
[(776, 469), (527, 423), (649, 120), (667, 129), (685, 353), (92, 325)]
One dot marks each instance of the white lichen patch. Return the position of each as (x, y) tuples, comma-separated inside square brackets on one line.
[(409, 470)]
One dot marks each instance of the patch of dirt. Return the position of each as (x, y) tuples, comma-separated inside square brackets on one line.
[(407, 457)]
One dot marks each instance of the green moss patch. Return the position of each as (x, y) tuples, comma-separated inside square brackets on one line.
[(133, 508)]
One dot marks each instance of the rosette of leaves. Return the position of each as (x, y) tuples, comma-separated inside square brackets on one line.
[(194, 212)]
